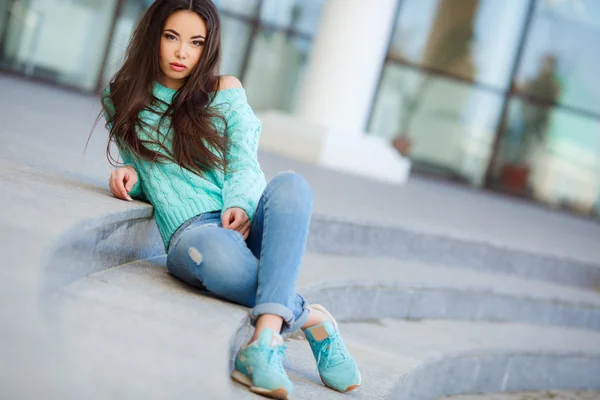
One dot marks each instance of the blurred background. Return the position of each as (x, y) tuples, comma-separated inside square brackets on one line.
[(470, 254), (499, 95)]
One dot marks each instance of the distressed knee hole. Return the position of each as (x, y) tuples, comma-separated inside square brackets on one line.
[(195, 255)]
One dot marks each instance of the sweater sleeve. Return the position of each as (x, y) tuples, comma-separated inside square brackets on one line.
[(128, 160), (244, 181)]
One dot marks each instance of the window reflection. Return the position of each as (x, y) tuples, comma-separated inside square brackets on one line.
[(446, 127), (243, 7), (476, 41), (549, 148), (560, 61), (554, 159), (124, 26), (235, 36), (300, 15), (276, 66), (36, 44)]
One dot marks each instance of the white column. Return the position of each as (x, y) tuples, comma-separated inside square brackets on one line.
[(345, 63), (338, 87)]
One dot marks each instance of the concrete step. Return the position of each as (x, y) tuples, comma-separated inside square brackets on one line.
[(443, 224), (359, 288), (531, 395), (134, 331)]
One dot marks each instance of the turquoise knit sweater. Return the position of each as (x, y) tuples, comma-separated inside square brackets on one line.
[(178, 194)]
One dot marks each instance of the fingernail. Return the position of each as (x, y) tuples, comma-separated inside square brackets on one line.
[(129, 198)]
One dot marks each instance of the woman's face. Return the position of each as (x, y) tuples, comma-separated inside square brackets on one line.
[(181, 46)]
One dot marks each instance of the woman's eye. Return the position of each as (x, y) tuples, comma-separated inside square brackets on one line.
[(197, 43), (170, 37)]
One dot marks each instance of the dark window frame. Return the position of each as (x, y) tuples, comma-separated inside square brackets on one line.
[(507, 95)]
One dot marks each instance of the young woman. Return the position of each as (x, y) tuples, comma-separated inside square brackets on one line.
[(189, 139)]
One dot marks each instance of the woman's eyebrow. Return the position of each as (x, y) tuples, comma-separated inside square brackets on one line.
[(174, 32)]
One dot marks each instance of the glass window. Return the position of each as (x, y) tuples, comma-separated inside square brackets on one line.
[(124, 26), (4, 15), (445, 126), (276, 65), (37, 44), (300, 15), (243, 7), (550, 154), (477, 40), (561, 58), (235, 36)]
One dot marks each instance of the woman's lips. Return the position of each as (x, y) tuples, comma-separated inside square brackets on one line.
[(177, 67)]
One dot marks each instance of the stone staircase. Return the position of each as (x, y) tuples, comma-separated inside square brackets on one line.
[(439, 290)]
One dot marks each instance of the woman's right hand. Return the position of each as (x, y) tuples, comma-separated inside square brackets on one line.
[(121, 182)]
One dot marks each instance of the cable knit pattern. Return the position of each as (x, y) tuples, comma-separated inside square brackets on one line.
[(178, 194)]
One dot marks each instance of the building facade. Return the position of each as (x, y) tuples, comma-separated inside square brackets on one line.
[(495, 94)]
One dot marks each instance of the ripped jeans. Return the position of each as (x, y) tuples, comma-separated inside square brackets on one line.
[(260, 272)]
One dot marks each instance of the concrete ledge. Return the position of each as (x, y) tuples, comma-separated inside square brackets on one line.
[(136, 321), (93, 246), (339, 236), (118, 238), (362, 288), (136, 332), (492, 373), (135, 303), (441, 224), (369, 288), (365, 302), (122, 237)]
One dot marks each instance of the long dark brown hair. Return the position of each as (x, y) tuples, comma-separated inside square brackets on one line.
[(197, 143)]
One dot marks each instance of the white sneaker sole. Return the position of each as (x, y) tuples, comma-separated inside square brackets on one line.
[(279, 393)]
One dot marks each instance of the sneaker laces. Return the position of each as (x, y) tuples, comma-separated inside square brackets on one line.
[(274, 355), (332, 350)]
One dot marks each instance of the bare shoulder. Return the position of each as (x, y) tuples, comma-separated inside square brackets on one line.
[(229, 82)]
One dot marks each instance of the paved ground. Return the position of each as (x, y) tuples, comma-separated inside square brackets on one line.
[(543, 395)]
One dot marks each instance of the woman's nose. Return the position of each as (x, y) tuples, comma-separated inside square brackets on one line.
[(182, 52)]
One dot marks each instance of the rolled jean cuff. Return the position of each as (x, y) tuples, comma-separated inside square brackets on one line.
[(290, 324)]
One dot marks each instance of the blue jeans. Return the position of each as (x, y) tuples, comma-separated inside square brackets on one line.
[(260, 272)]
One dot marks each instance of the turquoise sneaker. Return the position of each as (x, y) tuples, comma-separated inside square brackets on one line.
[(336, 366), (259, 366)]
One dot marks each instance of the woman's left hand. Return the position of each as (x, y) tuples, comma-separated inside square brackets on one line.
[(236, 219)]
